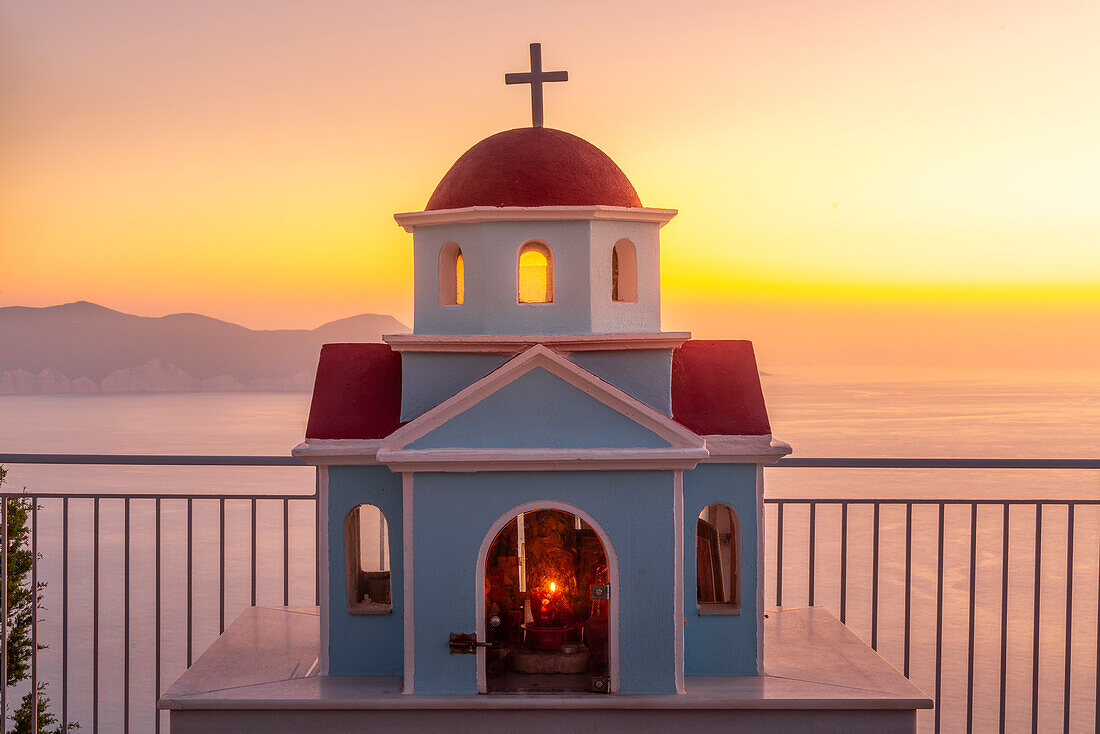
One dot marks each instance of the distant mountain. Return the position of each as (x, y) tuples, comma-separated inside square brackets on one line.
[(84, 347)]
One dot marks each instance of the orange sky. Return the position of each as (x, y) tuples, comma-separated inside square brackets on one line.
[(885, 185)]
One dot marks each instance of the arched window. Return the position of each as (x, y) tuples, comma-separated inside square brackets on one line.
[(535, 274), (452, 276), (718, 560), (367, 560), (624, 272)]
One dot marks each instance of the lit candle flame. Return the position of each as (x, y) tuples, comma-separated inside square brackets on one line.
[(552, 587)]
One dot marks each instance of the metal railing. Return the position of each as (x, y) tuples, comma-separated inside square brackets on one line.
[(809, 556)]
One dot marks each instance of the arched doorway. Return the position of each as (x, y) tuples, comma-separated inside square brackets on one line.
[(548, 583)]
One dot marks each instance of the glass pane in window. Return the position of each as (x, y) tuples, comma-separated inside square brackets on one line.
[(717, 548), (367, 560)]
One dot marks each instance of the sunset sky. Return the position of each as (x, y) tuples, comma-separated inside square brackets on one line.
[(887, 186)]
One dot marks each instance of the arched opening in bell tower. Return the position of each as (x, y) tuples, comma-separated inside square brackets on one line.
[(624, 272), (535, 274), (548, 611), (452, 275)]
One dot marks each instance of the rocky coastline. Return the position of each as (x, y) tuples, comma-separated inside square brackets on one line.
[(153, 376)]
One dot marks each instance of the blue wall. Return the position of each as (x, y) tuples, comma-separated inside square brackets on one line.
[(646, 374), (452, 513), (721, 644), (429, 378), (540, 410), (364, 644), (635, 508)]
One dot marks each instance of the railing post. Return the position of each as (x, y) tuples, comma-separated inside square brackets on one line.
[(908, 583), (221, 565), (286, 553), (1004, 615), (779, 555), (190, 578), (1038, 610), (939, 618), (1067, 677), (874, 579), (812, 550), (34, 616), (156, 674), (843, 562), (95, 614), (253, 537), (65, 615), (1096, 698), (126, 620), (970, 633), (4, 616)]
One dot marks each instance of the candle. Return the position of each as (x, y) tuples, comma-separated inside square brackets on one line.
[(549, 605)]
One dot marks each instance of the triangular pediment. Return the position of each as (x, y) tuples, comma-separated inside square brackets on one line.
[(539, 410)]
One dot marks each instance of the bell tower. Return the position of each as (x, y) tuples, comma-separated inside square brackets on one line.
[(535, 231), (535, 236)]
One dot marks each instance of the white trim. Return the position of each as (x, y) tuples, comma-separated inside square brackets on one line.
[(678, 620), (407, 581), (470, 460), (322, 565), (722, 449), (613, 580), (731, 449), (470, 214), (324, 451), (514, 344), (685, 446), (759, 570)]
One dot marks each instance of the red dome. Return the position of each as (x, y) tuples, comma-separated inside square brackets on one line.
[(533, 166)]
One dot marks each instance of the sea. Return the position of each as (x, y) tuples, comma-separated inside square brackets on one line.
[(820, 417)]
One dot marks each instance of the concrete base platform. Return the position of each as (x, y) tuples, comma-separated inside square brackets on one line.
[(261, 676)]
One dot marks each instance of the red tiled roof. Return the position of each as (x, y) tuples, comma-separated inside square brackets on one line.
[(357, 393), (533, 166), (716, 388)]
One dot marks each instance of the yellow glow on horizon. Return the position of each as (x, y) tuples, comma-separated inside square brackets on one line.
[(823, 158)]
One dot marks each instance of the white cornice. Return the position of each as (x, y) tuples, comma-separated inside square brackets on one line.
[(471, 214), (726, 449), (469, 460), (723, 449), (326, 451), (564, 343)]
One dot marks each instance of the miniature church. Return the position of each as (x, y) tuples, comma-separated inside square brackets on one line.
[(539, 508)]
